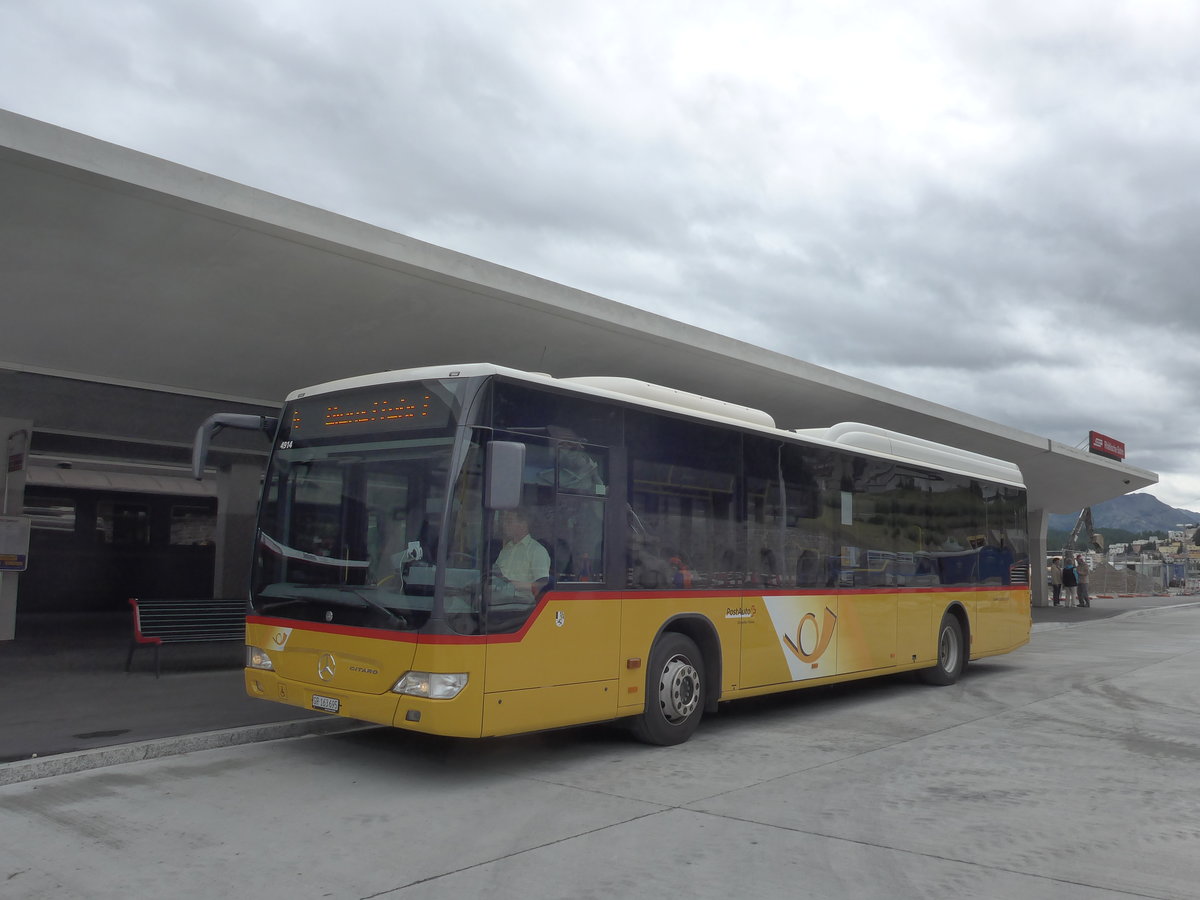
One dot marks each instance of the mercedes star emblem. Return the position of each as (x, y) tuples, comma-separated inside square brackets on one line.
[(326, 667)]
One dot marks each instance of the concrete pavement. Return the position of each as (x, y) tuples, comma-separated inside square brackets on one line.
[(1066, 771), (70, 705), (1105, 608)]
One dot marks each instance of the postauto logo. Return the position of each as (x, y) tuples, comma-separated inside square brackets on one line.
[(806, 628), (812, 640)]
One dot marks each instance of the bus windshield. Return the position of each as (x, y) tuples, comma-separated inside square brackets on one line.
[(351, 524)]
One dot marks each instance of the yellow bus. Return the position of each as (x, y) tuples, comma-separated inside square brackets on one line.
[(477, 551)]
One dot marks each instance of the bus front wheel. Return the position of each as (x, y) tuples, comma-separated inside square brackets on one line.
[(951, 653), (674, 692)]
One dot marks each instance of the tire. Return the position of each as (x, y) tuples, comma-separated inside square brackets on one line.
[(951, 653), (674, 692)]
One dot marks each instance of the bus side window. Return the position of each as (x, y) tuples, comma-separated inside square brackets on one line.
[(682, 496), (810, 482), (765, 511), (581, 489), (579, 539)]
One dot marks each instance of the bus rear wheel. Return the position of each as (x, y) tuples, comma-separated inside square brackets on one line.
[(951, 653), (674, 692)]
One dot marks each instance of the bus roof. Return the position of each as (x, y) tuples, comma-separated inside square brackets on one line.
[(869, 439)]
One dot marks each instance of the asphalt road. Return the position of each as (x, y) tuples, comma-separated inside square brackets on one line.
[(1065, 770)]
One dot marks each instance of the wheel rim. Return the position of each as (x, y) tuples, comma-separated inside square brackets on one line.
[(678, 690), (948, 649)]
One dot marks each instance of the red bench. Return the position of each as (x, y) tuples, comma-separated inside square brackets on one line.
[(158, 622)]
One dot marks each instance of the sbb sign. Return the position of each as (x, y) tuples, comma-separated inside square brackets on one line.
[(1106, 446)]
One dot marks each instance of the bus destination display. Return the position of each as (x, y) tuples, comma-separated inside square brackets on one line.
[(362, 413)]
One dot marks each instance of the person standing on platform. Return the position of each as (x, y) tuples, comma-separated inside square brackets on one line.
[(1082, 598), (1070, 580), (1056, 580)]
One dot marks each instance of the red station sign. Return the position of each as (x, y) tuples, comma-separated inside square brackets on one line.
[(1105, 446)]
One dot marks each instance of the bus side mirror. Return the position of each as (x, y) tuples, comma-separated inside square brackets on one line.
[(502, 480), (213, 424)]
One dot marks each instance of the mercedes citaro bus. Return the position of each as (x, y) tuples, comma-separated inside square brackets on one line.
[(475, 551)]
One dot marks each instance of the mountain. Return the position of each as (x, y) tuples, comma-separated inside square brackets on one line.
[(1132, 512)]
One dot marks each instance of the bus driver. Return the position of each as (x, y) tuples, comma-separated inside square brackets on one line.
[(522, 562)]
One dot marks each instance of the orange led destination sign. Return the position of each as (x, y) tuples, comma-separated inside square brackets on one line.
[(377, 411), (364, 412)]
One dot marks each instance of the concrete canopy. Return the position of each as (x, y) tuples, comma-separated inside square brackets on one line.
[(125, 269)]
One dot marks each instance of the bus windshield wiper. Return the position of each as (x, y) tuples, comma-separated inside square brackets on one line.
[(335, 594), (375, 604)]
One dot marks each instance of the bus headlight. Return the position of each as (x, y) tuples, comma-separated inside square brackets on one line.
[(433, 685), (256, 658)]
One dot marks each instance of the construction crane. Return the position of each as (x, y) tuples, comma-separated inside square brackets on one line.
[(1084, 526)]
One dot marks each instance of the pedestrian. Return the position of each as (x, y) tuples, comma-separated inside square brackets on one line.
[(1081, 573), (1070, 580), (1056, 580)]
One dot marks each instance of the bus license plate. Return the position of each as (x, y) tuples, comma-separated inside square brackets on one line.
[(329, 704)]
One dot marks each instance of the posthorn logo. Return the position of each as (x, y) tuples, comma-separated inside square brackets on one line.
[(812, 640)]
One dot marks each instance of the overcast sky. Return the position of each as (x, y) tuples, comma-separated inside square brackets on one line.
[(994, 206)]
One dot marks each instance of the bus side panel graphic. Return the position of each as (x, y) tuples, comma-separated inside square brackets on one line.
[(805, 628)]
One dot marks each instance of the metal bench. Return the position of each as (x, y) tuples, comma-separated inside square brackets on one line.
[(158, 622)]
